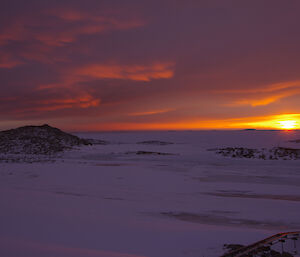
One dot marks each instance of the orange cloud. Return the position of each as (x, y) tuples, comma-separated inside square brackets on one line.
[(265, 95), (131, 72), (41, 54), (264, 89), (84, 101), (264, 100), (69, 15), (7, 61), (89, 24), (99, 19), (79, 101), (63, 37), (150, 112), (57, 29), (28, 28), (113, 71), (14, 32)]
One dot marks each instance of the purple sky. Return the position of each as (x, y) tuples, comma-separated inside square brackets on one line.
[(146, 64)]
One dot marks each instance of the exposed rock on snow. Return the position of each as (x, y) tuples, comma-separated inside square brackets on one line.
[(224, 220), (97, 141), (155, 142), (26, 158), (260, 252), (37, 140), (295, 141), (276, 153), (149, 153)]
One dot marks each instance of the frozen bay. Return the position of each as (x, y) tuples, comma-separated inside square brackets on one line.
[(154, 194)]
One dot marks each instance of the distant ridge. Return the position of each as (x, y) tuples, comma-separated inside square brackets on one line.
[(44, 140)]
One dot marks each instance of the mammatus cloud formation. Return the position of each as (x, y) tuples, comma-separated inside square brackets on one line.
[(148, 64)]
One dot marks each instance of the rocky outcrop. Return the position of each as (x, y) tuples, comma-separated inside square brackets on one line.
[(38, 140), (276, 153), (295, 141), (154, 142)]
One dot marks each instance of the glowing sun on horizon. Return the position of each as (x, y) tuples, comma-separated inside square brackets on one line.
[(288, 124)]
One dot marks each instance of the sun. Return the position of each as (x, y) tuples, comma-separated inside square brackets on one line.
[(288, 124)]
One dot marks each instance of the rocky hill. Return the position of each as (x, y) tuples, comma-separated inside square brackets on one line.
[(41, 140), (276, 153)]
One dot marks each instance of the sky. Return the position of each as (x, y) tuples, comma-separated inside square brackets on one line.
[(87, 65)]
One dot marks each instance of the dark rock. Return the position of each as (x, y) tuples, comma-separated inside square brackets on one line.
[(232, 247), (37, 140), (275, 153), (151, 153), (295, 141), (96, 141), (155, 142)]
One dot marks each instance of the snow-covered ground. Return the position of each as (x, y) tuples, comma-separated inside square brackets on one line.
[(132, 198)]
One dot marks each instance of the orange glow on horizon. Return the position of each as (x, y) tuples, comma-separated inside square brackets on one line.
[(288, 124), (277, 122), (282, 122)]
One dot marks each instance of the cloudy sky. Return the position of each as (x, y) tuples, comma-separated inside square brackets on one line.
[(151, 64)]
